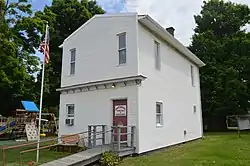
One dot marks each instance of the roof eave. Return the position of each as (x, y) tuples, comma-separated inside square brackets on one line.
[(109, 81)]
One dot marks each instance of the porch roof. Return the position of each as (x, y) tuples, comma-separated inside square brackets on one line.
[(103, 82)]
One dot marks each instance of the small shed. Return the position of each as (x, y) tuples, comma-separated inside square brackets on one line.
[(238, 122), (30, 106), (29, 109)]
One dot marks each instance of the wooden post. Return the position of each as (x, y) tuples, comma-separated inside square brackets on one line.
[(89, 136), (103, 134), (119, 139), (238, 125), (3, 156), (94, 136), (21, 161), (132, 136)]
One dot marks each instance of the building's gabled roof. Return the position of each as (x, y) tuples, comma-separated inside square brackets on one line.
[(152, 25), (98, 16), (156, 28)]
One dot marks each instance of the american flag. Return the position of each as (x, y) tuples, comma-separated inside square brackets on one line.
[(45, 46)]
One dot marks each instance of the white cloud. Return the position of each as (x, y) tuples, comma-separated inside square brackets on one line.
[(176, 13)]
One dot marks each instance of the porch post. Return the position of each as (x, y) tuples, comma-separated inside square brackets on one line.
[(132, 136), (119, 138), (103, 134), (94, 136), (89, 136), (112, 137)]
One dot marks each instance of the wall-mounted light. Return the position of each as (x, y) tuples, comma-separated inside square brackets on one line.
[(138, 81), (113, 86)]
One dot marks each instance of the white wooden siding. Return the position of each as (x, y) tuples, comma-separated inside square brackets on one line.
[(172, 86)]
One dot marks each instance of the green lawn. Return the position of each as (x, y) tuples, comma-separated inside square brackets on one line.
[(215, 149), (13, 155)]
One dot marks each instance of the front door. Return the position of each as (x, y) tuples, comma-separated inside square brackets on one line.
[(120, 117)]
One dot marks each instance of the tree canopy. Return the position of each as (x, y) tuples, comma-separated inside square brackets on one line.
[(221, 41), (19, 38), (64, 17), (21, 32)]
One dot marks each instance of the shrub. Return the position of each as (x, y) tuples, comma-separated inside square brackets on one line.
[(109, 159)]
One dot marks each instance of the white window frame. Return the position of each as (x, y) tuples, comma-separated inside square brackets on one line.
[(70, 116), (157, 55), (120, 48), (159, 114), (72, 61), (192, 75)]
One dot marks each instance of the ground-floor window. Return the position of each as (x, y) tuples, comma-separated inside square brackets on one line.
[(159, 114), (70, 117)]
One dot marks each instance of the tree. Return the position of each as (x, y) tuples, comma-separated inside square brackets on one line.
[(64, 17), (221, 41), (19, 37)]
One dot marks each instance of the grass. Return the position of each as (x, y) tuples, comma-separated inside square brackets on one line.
[(218, 149), (13, 155)]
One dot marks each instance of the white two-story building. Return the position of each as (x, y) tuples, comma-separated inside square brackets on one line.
[(127, 69)]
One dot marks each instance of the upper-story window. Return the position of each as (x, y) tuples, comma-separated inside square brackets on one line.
[(72, 61), (122, 48), (192, 75), (157, 55), (159, 114)]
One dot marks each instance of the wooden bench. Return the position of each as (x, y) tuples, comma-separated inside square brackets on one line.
[(71, 139), (69, 143)]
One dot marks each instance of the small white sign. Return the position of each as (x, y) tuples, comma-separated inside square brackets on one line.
[(120, 110)]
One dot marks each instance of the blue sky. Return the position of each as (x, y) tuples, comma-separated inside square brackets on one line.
[(110, 6)]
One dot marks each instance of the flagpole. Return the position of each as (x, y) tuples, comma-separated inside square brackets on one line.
[(41, 96)]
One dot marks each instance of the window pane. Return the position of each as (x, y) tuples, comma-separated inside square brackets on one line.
[(156, 48), (122, 56), (70, 109), (194, 108), (72, 68), (157, 55), (73, 55), (158, 119), (122, 41), (192, 75), (158, 108)]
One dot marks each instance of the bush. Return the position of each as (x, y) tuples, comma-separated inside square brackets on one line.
[(109, 159)]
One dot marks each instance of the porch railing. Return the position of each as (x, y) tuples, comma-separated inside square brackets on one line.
[(111, 136)]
